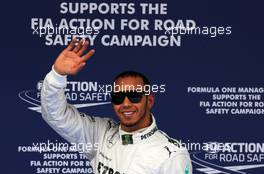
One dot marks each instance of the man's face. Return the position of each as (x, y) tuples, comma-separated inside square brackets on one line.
[(133, 116)]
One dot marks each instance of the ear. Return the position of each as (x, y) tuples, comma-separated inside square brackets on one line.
[(150, 100)]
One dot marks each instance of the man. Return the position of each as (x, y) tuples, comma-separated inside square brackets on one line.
[(135, 145)]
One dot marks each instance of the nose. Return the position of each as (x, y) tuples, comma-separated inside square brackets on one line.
[(126, 103)]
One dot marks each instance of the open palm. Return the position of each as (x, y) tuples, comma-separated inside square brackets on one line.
[(71, 60)]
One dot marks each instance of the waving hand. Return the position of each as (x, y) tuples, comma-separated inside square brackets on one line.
[(71, 60)]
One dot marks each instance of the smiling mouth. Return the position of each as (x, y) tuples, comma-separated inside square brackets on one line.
[(128, 113)]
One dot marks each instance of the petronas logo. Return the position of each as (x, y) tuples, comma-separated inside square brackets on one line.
[(127, 139)]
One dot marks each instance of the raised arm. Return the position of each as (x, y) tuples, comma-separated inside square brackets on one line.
[(61, 116)]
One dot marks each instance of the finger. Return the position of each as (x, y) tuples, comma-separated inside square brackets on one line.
[(88, 55), (78, 47), (71, 45), (79, 67), (84, 47)]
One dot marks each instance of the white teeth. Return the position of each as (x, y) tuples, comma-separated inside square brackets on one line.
[(128, 113)]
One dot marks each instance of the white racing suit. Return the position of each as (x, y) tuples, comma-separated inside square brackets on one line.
[(147, 152)]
